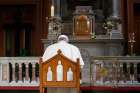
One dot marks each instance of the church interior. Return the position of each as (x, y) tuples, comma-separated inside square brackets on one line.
[(107, 33)]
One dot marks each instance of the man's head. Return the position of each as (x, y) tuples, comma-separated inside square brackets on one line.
[(63, 38)]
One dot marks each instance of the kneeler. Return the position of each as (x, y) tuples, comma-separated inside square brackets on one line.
[(59, 74)]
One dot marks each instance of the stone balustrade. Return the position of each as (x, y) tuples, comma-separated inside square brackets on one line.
[(19, 71), (115, 71), (103, 71)]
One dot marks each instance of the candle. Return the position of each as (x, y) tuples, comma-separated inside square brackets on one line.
[(52, 10), (88, 23)]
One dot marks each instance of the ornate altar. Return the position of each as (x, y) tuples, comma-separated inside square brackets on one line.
[(83, 22)]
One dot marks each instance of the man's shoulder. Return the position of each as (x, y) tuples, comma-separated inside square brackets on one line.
[(52, 45), (73, 46), (56, 45)]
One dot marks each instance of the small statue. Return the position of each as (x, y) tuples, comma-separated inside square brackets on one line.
[(49, 74), (69, 75), (59, 71)]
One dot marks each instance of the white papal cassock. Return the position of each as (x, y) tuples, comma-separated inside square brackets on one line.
[(70, 51)]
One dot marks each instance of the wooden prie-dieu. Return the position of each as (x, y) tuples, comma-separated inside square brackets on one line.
[(49, 73)]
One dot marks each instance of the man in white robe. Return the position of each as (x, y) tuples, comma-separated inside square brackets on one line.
[(68, 50)]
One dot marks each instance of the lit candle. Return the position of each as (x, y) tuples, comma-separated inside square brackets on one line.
[(52, 10), (88, 23)]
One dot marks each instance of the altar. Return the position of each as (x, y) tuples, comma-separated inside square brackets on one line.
[(93, 48), (83, 34)]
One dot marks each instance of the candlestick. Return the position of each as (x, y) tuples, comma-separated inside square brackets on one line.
[(52, 11)]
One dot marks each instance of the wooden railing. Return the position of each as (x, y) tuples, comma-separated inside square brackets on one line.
[(104, 71)]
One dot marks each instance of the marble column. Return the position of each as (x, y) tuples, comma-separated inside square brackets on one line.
[(116, 8), (27, 72), (117, 29), (33, 72), (20, 72), (121, 73), (128, 71), (114, 72)]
